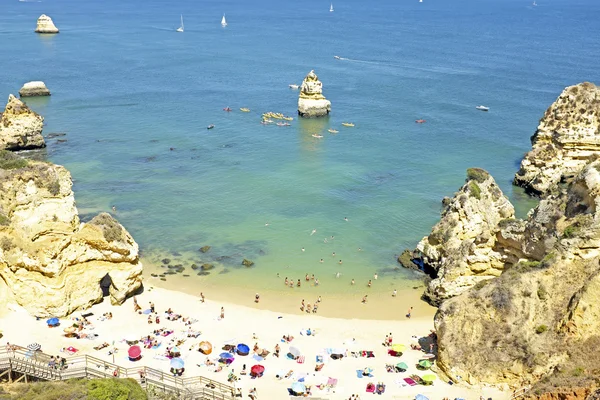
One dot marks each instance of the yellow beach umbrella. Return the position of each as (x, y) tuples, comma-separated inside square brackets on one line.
[(429, 378), (399, 348), (205, 348)]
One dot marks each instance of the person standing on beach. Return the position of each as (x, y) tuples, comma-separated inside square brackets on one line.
[(394, 293), (222, 313), (409, 313), (364, 299), (302, 306), (352, 283), (202, 299), (370, 283), (256, 298), (151, 307)]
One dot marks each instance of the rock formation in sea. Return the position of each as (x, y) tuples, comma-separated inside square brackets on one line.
[(567, 137), (311, 102), (34, 88), (51, 263), (462, 248), (541, 316), (45, 25), (20, 128)]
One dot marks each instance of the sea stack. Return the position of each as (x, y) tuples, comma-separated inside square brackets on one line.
[(34, 88), (20, 128), (567, 138), (45, 25), (312, 103)]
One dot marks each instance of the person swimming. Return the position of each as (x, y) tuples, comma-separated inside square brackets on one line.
[(321, 260), (303, 249), (337, 275), (313, 232), (346, 219)]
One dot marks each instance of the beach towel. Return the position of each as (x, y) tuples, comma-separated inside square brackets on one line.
[(332, 382), (71, 350), (146, 311), (257, 357), (87, 315), (319, 359), (370, 387), (300, 360), (410, 381)]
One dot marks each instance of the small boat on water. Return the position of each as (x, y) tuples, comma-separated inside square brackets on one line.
[(534, 3), (317, 136), (244, 109), (337, 57), (283, 124), (293, 86), (227, 109), (224, 21), (420, 121), (210, 126), (483, 108), (331, 8), (348, 124), (333, 130), (180, 29)]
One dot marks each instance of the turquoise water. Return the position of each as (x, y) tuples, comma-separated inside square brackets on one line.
[(127, 88)]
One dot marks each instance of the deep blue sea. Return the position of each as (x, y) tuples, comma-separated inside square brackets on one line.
[(126, 88)]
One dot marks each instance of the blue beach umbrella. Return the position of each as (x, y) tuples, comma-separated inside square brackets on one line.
[(226, 356), (242, 349), (177, 363), (420, 397), (52, 321), (298, 387)]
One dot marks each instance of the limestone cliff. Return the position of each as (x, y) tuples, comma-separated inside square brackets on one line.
[(461, 249), (567, 137), (541, 317), (45, 25), (311, 102), (34, 88), (20, 128), (51, 263)]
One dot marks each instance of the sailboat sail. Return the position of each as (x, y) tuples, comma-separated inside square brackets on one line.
[(331, 8), (180, 29), (223, 21)]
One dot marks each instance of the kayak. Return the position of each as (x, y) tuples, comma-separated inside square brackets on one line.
[(349, 124), (243, 109), (332, 131)]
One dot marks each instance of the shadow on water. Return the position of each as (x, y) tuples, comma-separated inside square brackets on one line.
[(36, 102), (307, 127)]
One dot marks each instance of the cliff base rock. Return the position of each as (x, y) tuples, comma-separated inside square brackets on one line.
[(20, 128)]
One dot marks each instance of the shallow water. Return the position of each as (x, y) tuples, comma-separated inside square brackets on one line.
[(126, 88)]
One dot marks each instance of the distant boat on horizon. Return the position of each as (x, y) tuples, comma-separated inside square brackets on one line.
[(180, 29), (420, 1), (534, 3), (331, 8), (223, 21)]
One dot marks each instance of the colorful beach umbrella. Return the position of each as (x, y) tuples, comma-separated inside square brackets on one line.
[(399, 348), (425, 364), (429, 378), (402, 365), (242, 349), (175, 350), (53, 321), (421, 397), (257, 370), (294, 351), (298, 387), (34, 346), (177, 363), (226, 356), (134, 352), (205, 348)]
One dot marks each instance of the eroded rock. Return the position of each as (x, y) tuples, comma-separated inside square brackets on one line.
[(20, 127), (311, 102), (45, 25)]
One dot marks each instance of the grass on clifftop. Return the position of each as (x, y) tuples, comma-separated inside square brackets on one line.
[(477, 174), (76, 389), (9, 160), (111, 229)]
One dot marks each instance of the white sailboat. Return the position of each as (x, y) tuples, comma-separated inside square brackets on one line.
[(534, 3), (331, 8), (223, 21), (180, 29)]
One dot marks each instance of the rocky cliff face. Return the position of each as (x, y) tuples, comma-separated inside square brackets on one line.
[(45, 25), (51, 263), (20, 128), (541, 316), (311, 102), (34, 88), (462, 248), (567, 137)]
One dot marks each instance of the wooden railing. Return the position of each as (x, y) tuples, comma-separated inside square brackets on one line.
[(520, 392), (34, 364)]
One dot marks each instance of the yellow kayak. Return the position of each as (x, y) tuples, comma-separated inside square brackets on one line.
[(243, 109), (349, 124)]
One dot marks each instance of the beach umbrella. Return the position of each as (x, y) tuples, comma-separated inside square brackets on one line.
[(429, 378), (257, 370), (425, 364), (69, 329), (177, 363), (428, 356), (34, 346), (398, 348), (402, 365), (175, 350), (205, 348), (226, 356), (52, 321), (421, 397), (294, 351), (298, 387), (242, 349), (134, 352)]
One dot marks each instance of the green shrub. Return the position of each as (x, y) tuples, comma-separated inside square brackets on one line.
[(475, 190), (115, 389), (571, 230), (9, 160), (6, 244), (111, 229), (4, 220), (78, 389), (529, 264), (54, 187), (541, 329), (477, 174), (542, 293)]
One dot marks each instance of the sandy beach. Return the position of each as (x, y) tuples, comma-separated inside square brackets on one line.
[(250, 326)]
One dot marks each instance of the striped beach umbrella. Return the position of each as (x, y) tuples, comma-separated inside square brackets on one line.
[(34, 346)]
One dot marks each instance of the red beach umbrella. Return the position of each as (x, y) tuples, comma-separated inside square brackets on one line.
[(257, 370), (134, 352)]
